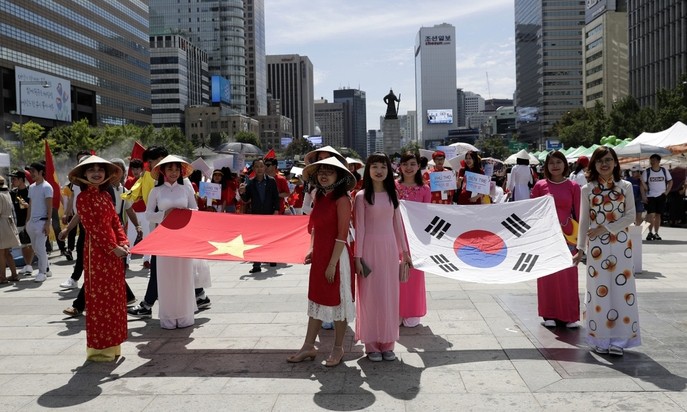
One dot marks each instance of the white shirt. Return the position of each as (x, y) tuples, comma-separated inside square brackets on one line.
[(169, 196), (657, 181), (37, 195)]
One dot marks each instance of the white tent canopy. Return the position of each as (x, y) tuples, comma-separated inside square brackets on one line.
[(672, 136)]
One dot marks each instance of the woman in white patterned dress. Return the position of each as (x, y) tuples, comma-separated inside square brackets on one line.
[(611, 317)]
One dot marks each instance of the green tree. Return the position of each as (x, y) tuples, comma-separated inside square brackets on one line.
[(172, 138), (348, 152), (32, 147), (493, 146), (298, 147), (628, 120), (247, 137), (413, 147)]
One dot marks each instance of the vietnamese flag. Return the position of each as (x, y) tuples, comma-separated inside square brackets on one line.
[(51, 178), (136, 153), (270, 155), (226, 236)]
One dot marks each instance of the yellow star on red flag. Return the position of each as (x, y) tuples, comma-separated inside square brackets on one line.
[(235, 247)]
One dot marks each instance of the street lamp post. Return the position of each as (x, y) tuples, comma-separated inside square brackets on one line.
[(22, 83)]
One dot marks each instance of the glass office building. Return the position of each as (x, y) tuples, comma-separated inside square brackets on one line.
[(290, 79), (101, 48), (216, 27), (355, 129), (548, 64), (658, 47)]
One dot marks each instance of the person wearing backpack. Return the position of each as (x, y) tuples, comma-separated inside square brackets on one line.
[(656, 183)]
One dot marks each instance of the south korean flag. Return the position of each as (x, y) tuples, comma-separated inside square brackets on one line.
[(497, 243)]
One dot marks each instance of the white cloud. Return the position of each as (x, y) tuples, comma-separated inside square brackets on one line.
[(370, 44)]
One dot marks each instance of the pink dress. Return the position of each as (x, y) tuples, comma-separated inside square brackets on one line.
[(413, 298), (557, 293), (379, 239)]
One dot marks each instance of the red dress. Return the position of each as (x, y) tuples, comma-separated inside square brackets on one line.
[(104, 287), (323, 220), (557, 293)]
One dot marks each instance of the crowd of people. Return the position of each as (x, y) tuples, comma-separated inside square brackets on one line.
[(360, 265)]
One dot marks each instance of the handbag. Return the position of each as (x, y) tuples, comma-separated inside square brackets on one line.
[(570, 229)]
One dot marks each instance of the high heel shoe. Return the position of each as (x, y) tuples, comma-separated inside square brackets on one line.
[(302, 355), (335, 356)]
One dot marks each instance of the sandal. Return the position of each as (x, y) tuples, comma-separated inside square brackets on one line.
[(4, 281), (335, 357), (14, 278)]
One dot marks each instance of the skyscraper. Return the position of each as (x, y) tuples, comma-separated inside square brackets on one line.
[(355, 105), (658, 49), (99, 48), (218, 28), (548, 64), (435, 82), (256, 64), (331, 118), (606, 71), (290, 79), (178, 78)]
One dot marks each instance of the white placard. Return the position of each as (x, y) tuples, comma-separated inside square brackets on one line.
[(225, 161), (199, 164), (445, 180), (477, 183), (489, 169), (451, 151), (209, 190)]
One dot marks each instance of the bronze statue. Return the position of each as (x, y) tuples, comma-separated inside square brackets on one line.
[(391, 106)]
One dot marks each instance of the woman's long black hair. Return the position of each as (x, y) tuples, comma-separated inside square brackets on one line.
[(389, 185), (418, 175)]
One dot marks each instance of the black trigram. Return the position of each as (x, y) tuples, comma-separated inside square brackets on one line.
[(438, 227), (516, 225), (444, 263), (526, 262)]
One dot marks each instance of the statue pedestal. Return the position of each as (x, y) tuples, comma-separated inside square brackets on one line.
[(391, 129)]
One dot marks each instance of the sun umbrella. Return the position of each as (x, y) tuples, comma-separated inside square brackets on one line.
[(511, 160), (636, 150), (236, 147)]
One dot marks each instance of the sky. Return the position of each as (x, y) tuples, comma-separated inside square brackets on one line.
[(368, 45)]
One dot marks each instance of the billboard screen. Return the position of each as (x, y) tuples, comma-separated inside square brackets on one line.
[(285, 141), (220, 90), (527, 114), (441, 116), (315, 140), (43, 95)]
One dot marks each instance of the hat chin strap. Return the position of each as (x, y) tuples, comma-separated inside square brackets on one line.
[(323, 189)]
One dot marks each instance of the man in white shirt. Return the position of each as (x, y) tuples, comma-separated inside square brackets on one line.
[(39, 220), (655, 185)]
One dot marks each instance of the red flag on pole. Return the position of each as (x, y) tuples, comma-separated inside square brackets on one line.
[(51, 177), (136, 153), (270, 155), (227, 236)]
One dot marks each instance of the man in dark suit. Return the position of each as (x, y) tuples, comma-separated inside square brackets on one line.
[(263, 195)]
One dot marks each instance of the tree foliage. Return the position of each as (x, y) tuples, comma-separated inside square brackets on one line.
[(247, 137), (625, 119), (493, 146), (298, 147)]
